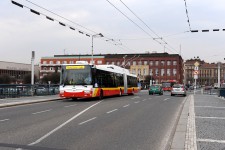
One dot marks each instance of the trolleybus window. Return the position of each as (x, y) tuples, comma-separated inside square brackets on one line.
[(76, 75)]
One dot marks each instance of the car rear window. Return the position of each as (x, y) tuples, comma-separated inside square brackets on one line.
[(177, 86)]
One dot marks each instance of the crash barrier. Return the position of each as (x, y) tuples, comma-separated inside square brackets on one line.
[(22, 90), (221, 92)]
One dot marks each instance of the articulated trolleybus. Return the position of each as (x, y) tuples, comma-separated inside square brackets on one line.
[(82, 80)]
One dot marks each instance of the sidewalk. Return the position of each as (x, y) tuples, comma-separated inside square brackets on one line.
[(27, 100), (201, 124)]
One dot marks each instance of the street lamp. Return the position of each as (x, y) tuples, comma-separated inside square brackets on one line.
[(92, 46)]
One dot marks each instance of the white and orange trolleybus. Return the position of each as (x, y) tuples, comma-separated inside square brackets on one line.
[(83, 80)]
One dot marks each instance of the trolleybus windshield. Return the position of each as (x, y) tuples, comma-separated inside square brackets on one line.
[(76, 75)]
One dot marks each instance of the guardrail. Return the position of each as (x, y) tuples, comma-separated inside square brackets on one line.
[(22, 90)]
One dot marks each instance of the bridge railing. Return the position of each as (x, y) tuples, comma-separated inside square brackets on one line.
[(21, 90)]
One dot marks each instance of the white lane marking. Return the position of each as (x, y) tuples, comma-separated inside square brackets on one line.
[(4, 120), (200, 117), (209, 107), (166, 99), (70, 106), (62, 125), (135, 97), (126, 105), (112, 111), (144, 100), (137, 102), (87, 121), (41, 111), (211, 140)]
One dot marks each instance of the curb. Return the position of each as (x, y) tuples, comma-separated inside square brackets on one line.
[(179, 137), (27, 102)]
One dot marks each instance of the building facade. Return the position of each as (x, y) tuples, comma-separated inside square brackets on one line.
[(53, 64), (161, 66), (207, 74), (17, 71)]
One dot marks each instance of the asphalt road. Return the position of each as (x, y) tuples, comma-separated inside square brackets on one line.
[(140, 121)]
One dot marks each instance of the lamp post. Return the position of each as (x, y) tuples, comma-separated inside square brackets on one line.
[(92, 45)]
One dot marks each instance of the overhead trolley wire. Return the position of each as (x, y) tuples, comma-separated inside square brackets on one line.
[(130, 20), (155, 39)]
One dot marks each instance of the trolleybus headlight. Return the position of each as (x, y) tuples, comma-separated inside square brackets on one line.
[(87, 92)]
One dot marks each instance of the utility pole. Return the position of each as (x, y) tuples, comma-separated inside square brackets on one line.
[(32, 71)]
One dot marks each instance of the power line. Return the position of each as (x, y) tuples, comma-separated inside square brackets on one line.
[(60, 16), (51, 18), (138, 18), (188, 20), (131, 20), (155, 39), (72, 28)]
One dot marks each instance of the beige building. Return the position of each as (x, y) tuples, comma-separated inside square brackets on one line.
[(17, 70), (207, 74)]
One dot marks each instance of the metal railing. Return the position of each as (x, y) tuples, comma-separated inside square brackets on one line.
[(22, 90)]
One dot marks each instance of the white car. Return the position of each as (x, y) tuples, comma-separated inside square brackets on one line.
[(178, 89)]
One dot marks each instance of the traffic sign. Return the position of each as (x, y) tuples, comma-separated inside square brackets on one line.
[(195, 72), (196, 64), (196, 68)]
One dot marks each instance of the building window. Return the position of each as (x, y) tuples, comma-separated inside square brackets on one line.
[(92, 62), (150, 72), (168, 72), (156, 62), (168, 62), (65, 62), (139, 71), (58, 62), (51, 62), (113, 63), (145, 62), (151, 63), (156, 72), (118, 63), (162, 72), (99, 62), (71, 62), (107, 63), (128, 63), (174, 63), (144, 72), (134, 63), (134, 71), (44, 62), (174, 72), (51, 68), (139, 63), (45, 68), (162, 62)]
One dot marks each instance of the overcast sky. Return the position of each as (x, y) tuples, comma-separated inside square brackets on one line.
[(22, 31)]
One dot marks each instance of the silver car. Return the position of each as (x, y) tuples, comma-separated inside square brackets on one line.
[(178, 89)]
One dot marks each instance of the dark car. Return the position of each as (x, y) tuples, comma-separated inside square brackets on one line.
[(155, 89)]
